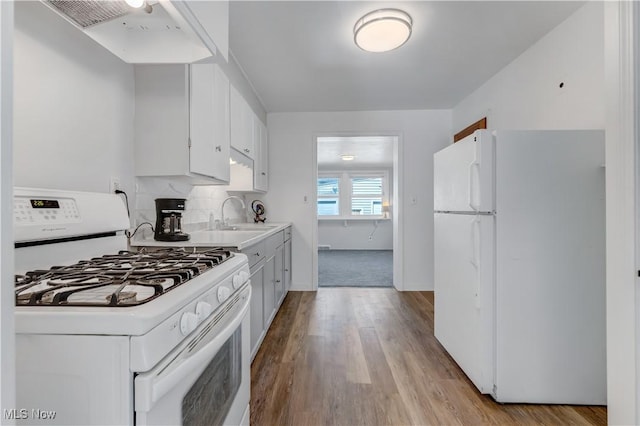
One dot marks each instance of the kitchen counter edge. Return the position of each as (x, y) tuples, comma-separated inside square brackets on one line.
[(199, 239)]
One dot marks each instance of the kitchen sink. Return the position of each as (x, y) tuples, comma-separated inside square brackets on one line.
[(236, 233), (249, 227), (225, 235)]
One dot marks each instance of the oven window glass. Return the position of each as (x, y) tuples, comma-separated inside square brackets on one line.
[(209, 399)]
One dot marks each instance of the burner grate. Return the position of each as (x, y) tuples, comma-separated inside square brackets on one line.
[(123, 279)]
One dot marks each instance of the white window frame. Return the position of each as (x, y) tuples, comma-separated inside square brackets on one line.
[(385, 185), (345, 192), (338, 176)]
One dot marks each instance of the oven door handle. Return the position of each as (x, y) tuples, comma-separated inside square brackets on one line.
[(151, 386)]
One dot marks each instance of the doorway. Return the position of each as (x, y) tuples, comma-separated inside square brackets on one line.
[(356, 189)]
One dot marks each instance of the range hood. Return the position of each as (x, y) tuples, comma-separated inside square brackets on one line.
[(162, 32)]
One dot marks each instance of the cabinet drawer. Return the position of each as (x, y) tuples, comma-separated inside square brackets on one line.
[(255, 253), (273, 242)]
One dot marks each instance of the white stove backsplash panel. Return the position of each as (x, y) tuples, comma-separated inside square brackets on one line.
[(203, 205)]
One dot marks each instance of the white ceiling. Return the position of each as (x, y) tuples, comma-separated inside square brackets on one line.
[(300, 55), (369, 152)]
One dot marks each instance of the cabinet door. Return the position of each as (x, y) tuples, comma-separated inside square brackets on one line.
[(287, 266), (209, 121), (279, 274), (221, 124), (261, 179), (235, 118), (257, 322), (241, 124), (161, 128), (269, 295)]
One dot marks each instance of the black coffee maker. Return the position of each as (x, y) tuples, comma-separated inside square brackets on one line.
[(169, 219)]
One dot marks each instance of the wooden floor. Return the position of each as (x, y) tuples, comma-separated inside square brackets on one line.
[(367, 356)]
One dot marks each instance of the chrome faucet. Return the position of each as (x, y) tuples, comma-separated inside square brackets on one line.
[(224, 221)]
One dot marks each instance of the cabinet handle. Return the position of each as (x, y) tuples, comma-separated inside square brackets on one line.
[(263, 174), (257, 254), (247, 150), (286, 270), (219, 148), (277, 281)]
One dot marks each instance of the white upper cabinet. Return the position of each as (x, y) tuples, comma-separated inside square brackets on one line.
[(261, 163), (241, 124), (248, 137), (209, 122), (182, 122)]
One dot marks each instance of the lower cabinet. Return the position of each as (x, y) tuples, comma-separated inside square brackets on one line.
[(278, 279), (270, 265), (287, 265), (269, 294), (257, 320)]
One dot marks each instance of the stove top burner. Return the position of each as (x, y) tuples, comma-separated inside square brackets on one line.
[(124, 279)]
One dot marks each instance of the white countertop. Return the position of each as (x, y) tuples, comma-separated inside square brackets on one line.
[(247, 235)]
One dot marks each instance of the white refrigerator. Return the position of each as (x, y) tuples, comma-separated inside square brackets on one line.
[(520, 263)]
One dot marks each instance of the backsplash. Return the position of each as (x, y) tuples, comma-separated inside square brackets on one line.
[(202, 208)]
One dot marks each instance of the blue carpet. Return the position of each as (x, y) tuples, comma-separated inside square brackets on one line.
[(355, 268)]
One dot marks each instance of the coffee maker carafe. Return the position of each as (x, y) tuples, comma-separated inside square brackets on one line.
[(169, 219)]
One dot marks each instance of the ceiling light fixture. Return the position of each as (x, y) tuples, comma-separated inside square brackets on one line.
[(347, 157), (135, 3), (382, 30)]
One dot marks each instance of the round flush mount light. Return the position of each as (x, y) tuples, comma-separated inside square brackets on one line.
[(135, 3), (382, 30), (347, 157)]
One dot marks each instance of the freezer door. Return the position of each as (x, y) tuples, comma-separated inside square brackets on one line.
[(463, 175), (464, 293)]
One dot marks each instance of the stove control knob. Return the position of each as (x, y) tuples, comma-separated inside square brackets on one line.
[(240, 279), (188, 323), (223, 293), (203, 310), (237, 280)]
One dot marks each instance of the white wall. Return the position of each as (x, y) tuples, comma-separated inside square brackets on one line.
[(74, 104), (7, 296), (356, 234), (292, 185), (526, 93), (622, 76)]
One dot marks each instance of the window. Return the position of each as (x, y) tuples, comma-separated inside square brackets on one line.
[(346, 194), (366, 195), (329, 196)]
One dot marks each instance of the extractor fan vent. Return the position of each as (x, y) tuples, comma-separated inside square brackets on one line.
[(88, 13)]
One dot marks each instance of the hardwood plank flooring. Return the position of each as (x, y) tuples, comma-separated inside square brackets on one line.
[(367, 356)]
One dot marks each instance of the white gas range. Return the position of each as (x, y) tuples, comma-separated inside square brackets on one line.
[(108, 336)]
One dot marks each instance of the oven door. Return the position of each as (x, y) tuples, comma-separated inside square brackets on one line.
[(206, 379)]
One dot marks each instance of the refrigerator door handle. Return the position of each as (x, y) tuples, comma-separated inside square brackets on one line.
[(474, 166), (475, 256)]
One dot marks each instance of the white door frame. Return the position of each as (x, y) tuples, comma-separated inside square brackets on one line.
[(396, 207), (7, 300), (622, 53)]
